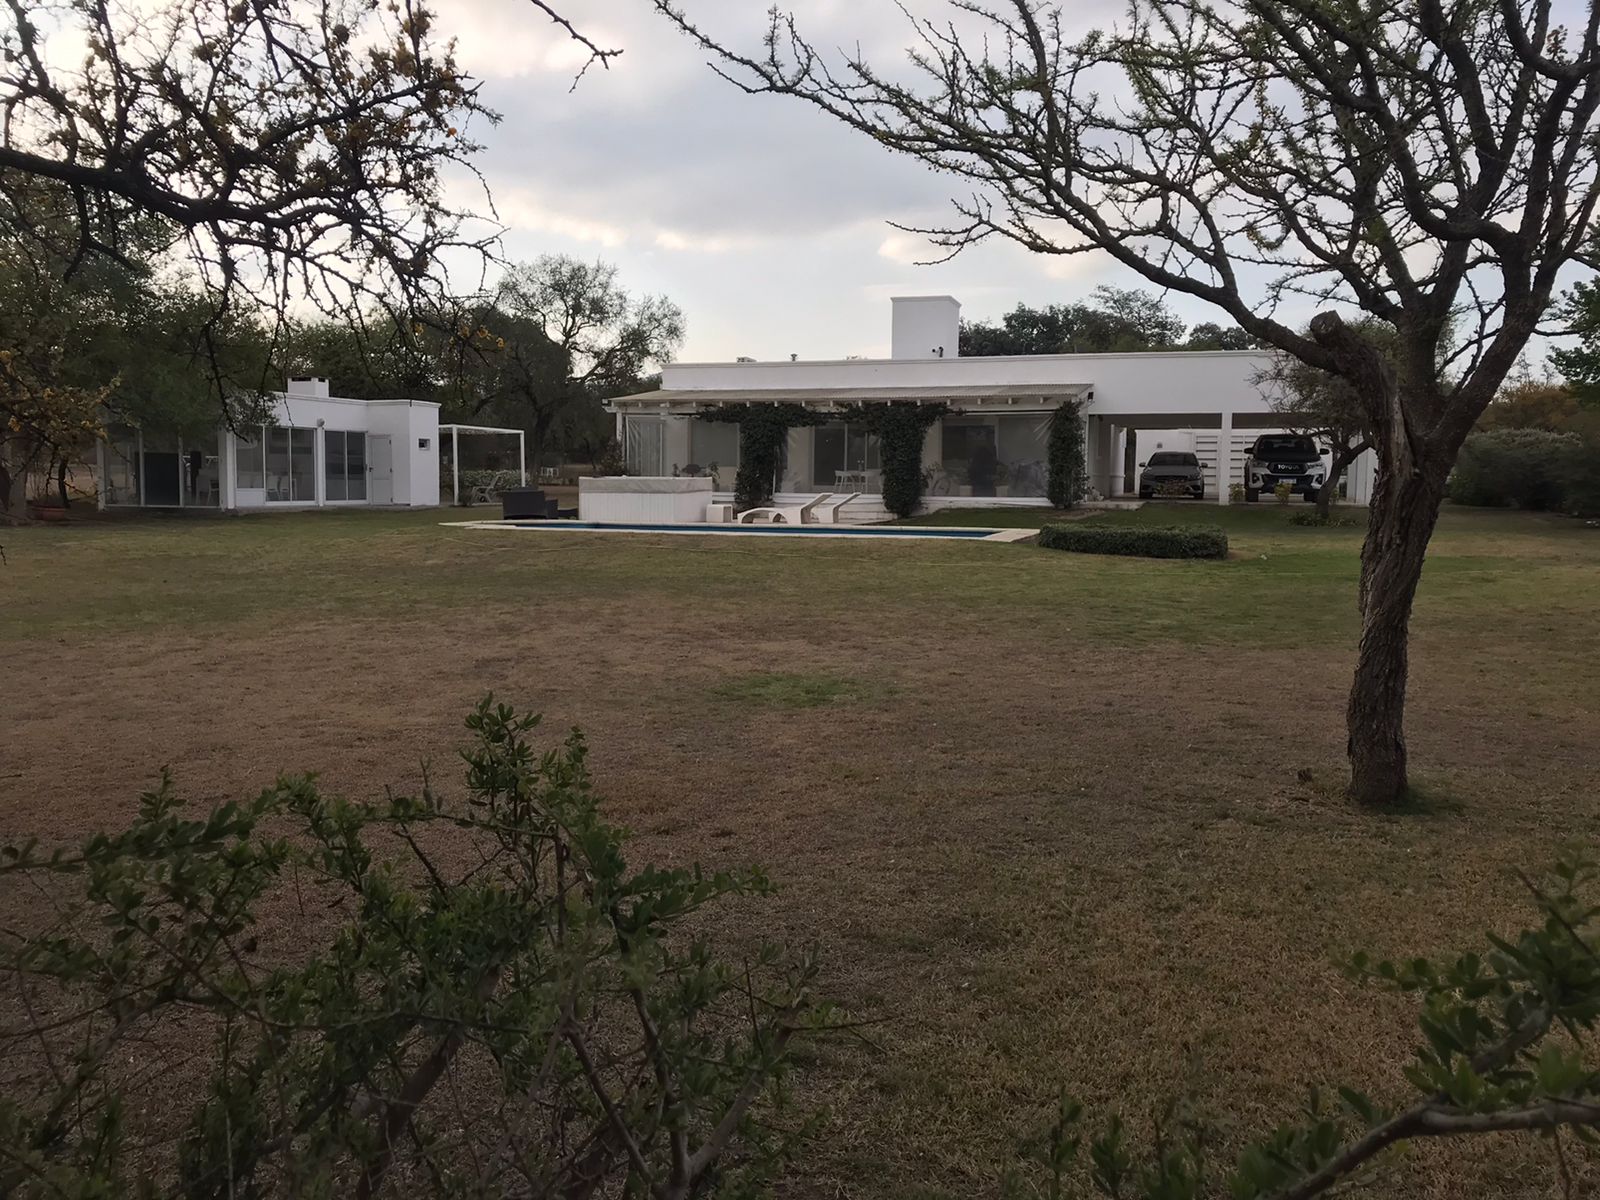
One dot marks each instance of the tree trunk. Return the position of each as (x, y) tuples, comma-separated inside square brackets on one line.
[(1404, 511)]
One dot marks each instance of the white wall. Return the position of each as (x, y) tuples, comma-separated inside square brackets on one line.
[(925, 327), (416, 467), (1174, 384), (406, 422)]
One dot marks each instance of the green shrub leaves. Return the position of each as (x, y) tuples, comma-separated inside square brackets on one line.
[(1176, 541)]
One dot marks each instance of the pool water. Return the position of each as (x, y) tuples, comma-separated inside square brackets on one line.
[(879, 531)]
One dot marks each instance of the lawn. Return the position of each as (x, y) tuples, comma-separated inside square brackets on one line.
[(1053, 819)]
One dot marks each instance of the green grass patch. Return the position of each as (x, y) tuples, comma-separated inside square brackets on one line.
[(785, 689)]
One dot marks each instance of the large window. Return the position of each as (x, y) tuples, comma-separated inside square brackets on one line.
[(715, 444), (345, 464), (248, 461), (846, 459), (645, 447), (1002, 455), (291, 464), (121, 483)]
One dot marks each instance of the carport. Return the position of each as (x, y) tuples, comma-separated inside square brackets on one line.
[(1117, 442)]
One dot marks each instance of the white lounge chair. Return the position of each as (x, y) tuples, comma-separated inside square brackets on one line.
[(828, 514), (783, 514)]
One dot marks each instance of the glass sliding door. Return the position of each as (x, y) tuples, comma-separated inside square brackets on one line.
[(303, 465), (1002, 455), (291, 465), (202, 473), (277, 464), (845, 458), (355, 465), (121, 483), (161, 469), (344, 469), (249, 462)]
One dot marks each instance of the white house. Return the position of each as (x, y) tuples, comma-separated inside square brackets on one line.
[(1133, 404), (319, 450)]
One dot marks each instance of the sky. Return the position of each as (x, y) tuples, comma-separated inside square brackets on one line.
[(766, 221)]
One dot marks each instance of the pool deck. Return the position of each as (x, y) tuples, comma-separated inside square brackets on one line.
[(963, 533)]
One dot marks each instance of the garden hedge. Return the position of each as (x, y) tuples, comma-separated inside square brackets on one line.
[(1141, 541)]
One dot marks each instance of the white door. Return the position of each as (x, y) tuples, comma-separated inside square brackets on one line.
[(380, 469)]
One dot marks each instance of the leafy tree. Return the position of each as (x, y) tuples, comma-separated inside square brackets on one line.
[(1113, 319), (1208, 335), (1580, 313), (1429, 163), (111, 338), (605, 1049), (1535, 404), (559, 337), (285, 154)]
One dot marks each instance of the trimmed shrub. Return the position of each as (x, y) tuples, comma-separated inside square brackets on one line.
[(1139, 541), (901, 429), (1068, 474), (1517, 468), (763, 435)]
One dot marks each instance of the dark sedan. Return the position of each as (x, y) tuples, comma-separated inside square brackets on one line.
[(1171, 473)]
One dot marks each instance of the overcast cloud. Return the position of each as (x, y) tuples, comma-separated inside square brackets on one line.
[(766, 221)]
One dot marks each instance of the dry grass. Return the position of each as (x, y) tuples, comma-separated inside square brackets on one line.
[(1042, 811)]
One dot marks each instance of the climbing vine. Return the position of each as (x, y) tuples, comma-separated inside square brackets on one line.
[(900, 429), (763, 430), (1067, 468)]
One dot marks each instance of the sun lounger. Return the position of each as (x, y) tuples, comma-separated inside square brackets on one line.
[(828, 514), (783, 514)]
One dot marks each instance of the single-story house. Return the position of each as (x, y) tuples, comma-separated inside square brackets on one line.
[(318, 450), (999, 409)]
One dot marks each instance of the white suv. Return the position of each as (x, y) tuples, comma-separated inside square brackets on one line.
[(1283, 458)]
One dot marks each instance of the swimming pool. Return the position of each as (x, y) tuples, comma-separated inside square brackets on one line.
[(902, 532)]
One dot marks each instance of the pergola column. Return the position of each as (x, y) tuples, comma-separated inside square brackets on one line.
[(1119, 444), (1105, 443), (1224, 455)]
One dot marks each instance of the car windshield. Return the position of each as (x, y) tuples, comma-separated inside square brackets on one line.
[(1172, 459), (1269, 446)]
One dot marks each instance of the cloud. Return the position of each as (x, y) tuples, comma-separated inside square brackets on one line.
[(766, 220)]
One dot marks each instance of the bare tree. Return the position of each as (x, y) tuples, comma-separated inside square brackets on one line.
[(1431, 163)]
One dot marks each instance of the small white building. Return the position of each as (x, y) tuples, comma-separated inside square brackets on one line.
[(1133, 404), (318, 451)]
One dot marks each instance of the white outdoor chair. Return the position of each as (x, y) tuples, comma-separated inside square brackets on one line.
[(828, 514), (783, 514)]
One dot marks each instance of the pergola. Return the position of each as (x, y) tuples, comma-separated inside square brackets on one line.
[(456, 431)]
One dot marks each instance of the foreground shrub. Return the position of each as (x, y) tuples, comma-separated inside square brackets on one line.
[(1516, 468), (505, 1008), (1487, 1064), (1142, 541)]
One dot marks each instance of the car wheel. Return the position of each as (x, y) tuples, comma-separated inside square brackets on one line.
[(1251, 495), (1311, 497), (1145, 495)]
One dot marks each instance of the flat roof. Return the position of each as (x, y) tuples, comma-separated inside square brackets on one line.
[(833, 396)]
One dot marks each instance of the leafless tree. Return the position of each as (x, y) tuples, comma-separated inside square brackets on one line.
[(1430, 163)]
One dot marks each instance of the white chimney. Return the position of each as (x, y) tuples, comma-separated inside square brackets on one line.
[(925, 327), (313, 387)]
